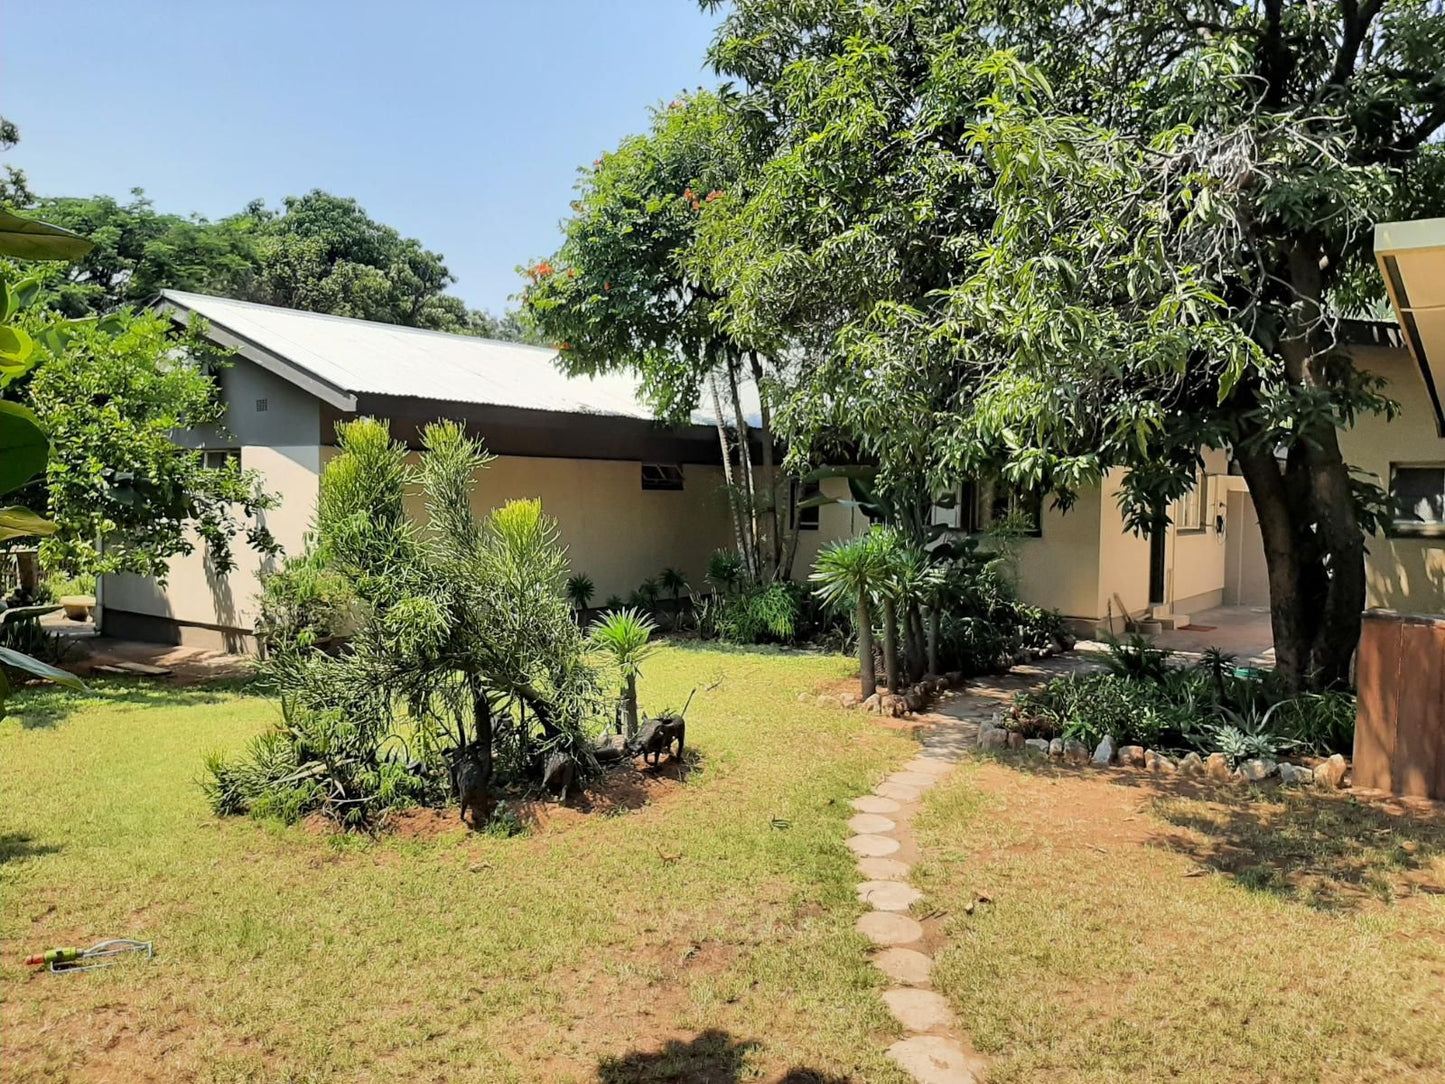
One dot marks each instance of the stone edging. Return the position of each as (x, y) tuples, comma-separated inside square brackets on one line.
[(1328, 773)]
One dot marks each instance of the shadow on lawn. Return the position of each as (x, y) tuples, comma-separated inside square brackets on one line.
[(17, 846), (712, 1057), (1329, 850), (40, 706)]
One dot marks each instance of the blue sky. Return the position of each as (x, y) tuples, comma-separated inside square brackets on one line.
[(461, 124)]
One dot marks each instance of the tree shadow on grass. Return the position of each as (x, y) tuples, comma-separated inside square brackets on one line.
[(40, 706), (1329, 850), (711, 1057), (18, 846)]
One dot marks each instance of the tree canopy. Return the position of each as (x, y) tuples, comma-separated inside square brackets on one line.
[(1057, 238)]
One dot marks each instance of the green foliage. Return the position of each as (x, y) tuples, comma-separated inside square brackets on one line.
[(111, 396), (318, 252), (625, 635), (1138, 659), (456, 623), (1203, 707), (580, 589), (303, 604), (757, 614), (725, 570)]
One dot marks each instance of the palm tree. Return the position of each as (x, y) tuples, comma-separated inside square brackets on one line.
[(675, 583), (625, 633), (847, 574), (580, 589)]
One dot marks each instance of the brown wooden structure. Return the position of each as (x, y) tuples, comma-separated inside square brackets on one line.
[(1400, 725)]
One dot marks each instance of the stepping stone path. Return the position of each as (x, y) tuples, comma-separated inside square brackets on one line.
[(934, 1050)]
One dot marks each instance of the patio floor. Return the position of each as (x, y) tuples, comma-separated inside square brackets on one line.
[(1242, 631)]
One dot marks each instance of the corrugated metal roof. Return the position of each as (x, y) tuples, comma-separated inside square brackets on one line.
[(359, 357)]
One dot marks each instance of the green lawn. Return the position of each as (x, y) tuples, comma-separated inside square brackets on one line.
[(1143, 933), (707, 936)]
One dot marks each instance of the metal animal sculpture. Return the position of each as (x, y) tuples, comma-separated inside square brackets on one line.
[(658, 735), (560, 774), (470, 773)]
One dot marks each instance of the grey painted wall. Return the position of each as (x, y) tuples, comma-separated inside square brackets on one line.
[(292, 417)]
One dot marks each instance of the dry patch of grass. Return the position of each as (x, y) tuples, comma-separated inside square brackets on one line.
[(690, 938), (1147, 931)]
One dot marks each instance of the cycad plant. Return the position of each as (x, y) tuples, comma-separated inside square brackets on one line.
[(847, 574), (674, 583), (580, 589), (626, 635)]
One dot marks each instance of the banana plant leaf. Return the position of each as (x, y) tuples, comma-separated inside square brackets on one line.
[(19, 522), (26, 239), (24, 447), (18, 660)]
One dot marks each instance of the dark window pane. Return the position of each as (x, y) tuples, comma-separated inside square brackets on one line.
[(1418, 494)]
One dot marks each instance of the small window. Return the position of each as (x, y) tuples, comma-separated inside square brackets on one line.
[(661, 476), (1417, 499), (262, 406), (806, 519), (219, 458), (1188, 511)]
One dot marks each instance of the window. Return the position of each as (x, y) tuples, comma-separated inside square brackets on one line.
[(1417, 498), (262, 406), (981, 504), (218, 458), (1188, 511), (661, 476), (806, 519)]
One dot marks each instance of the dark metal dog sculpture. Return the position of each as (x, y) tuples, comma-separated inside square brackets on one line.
[(470, 773), (658, 735), (560, 774)]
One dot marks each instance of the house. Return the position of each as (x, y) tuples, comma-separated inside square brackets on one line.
[(631, 497)]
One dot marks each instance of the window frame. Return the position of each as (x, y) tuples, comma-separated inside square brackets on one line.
[(228, 455), (1395, 528), (669, 477), (806, 519), (978, 504), (1198, 497)]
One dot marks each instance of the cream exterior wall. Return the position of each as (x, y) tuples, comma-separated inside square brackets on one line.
[(615, 531), (1060, 569), (835, 522), (1406, 574), (194, 593)]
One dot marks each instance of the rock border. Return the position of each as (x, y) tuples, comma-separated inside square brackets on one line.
[(1328, 774)]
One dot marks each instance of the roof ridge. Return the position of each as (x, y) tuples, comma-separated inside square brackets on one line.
[(180, 295)]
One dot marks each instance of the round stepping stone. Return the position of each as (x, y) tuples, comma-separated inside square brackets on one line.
[(870, 823), (932, 1059), (913, 779), (904, 966), (868, 846), (919, 1010), (898, 791), (888, 895), (928, 766), (871, 803), (886, 928), (883, 869)]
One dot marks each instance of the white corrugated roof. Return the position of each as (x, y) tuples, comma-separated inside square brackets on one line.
[(359, 357)]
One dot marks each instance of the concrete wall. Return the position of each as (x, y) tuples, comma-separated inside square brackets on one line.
[(291, 416), (1060, 568), (615, 531), (213, 606), (1406, 574), (835, 521)]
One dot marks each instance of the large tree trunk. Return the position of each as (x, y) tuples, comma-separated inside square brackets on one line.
[(1314, 546), (768, 483), (745, 473), (867, 675), (727, 461)]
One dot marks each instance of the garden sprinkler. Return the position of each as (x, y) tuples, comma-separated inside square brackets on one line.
[(61, 960)]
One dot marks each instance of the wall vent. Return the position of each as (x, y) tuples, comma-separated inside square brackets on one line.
[(260, 406)]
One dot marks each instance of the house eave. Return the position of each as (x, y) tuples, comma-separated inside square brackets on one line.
[(1411, 257)]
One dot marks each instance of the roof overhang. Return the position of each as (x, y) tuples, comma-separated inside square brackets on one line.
[(1412, 259), (222, 336)]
